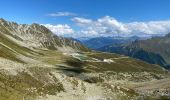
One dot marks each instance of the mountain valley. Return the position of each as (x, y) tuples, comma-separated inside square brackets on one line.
[(35, 64)]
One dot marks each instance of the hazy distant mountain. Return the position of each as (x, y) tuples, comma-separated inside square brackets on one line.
[(155, 50), (98, 42), (74, 39), (37, 65)]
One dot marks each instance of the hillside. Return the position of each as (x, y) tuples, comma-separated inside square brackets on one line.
[(37, 65), (154, 50)]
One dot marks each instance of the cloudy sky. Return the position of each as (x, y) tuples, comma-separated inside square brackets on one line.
[(91, 18)]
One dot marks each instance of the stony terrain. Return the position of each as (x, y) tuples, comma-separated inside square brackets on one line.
[(36, 65)]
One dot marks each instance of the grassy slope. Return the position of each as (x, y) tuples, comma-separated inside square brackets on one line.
[(125, 64), (23, 80), (9, 49), (16, 87)]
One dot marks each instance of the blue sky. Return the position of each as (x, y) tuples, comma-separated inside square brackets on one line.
[(123, 11), (28, 11)]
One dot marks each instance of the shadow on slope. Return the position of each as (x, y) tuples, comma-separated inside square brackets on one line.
[(73, 66)]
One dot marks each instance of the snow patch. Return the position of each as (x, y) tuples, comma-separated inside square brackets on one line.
[(108, 60)]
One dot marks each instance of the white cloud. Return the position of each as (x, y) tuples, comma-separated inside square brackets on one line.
[(109, 26), (60, 29), (57, 14), (81, 21), (152, 27), (113, 24)]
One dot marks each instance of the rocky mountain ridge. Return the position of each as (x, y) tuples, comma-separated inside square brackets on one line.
[(35, 36)]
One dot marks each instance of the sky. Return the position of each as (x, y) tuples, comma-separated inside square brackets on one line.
[(91, 18)]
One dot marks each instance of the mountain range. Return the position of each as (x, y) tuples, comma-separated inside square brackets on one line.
[(155, 50), (98, 42), (35, 64)]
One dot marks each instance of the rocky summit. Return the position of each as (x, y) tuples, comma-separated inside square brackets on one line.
[(35, 64)]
